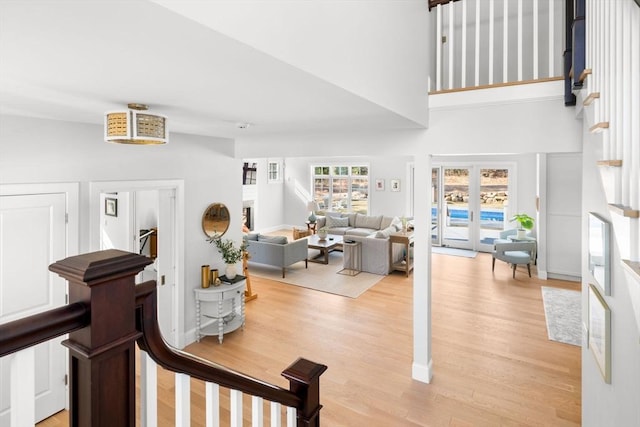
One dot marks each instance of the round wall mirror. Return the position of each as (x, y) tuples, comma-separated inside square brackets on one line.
[(215, 220)]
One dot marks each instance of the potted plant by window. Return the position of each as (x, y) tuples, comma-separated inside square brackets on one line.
[(526, 223), (230, 254)]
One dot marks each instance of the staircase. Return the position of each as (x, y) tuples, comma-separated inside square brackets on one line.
[(608, 101)]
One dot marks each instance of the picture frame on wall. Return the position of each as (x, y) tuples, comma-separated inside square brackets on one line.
[(599, 252), (379, 184), (111, 206), (600, 332), (395, 185)]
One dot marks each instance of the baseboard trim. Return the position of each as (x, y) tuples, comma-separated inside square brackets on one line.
[(422, 373), (568, 277)]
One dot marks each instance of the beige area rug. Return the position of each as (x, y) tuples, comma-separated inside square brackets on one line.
[(320, 277)]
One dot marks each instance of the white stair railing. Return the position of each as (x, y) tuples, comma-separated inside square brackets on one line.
[(473, 35), (611, 105)]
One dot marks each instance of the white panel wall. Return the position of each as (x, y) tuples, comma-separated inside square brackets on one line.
[(34, 150), (614, 404), (563, 215), (352, 44)]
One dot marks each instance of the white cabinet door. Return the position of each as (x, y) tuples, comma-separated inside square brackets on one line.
[(33, 236)]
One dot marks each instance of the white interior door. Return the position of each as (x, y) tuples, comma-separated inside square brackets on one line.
[(166, 265), (33, 236)]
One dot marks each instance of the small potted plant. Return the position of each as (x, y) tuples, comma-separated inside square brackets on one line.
[(526, 223), (230, 254)]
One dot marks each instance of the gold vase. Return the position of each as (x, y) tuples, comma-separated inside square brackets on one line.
[(204, 276), (213, 277)]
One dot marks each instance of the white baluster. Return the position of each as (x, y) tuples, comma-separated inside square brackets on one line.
[(519, 49), (439, 62), (552, 49), (23, 383), (257, 412), (291, 417), (212, 405), (183, 400), (451, 42), (634, 155), (477, 59), (276, 416), (148, 391), (463, 44), (505, 42), (492, 30), (536, 34), (236, 408)]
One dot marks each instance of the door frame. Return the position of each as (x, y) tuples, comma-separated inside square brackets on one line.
[(98, 187), (474, 202), (71, 190)]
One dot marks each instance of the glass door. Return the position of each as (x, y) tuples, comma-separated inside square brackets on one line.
[(493, 203), (436, 208), (457, 209)]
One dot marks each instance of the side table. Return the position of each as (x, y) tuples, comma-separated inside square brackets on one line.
[(223, 305), (311, 226), (406, 239), (352, 258)]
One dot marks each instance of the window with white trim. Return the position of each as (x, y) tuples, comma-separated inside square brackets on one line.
[(274, 171), (341, 188)]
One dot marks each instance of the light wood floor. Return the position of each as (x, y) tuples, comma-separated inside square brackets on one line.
[(493, 363)]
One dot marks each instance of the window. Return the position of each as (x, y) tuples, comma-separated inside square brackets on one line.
[(341, 188), (274, 170), (249, 173)]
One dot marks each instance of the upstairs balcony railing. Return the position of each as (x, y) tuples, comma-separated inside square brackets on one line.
[(106, 316), (481, 43)]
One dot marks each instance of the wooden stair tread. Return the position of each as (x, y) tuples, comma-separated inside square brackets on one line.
[(586, 72), (614, 163), (633, 267), (599, 127), (590, 98), (625, 211)]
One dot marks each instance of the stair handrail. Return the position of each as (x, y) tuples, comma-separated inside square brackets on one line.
[(176, 360)]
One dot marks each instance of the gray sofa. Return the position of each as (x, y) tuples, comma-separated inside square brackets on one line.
[(276, 250), (373, 234)]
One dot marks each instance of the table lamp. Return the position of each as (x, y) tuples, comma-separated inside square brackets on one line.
[(313, 207)]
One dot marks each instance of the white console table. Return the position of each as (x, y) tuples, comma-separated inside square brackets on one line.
[(222, 305)]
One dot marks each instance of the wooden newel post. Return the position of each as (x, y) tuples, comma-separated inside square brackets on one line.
[(102, 362), (304, 380)]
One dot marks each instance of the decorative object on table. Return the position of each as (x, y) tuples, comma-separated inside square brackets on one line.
[(213, 277), (313, 207), (111, 206), (379, 184), (322, 233), (526, 223), (215, 220), (299, 234), (248, 293), (230, 254), (600, 332), (404, 224), (204, 277), (135, 126), (395, 184), (599, 258)]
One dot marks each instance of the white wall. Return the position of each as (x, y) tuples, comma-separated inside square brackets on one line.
[(33, 151), (352, 44), (614, 404)]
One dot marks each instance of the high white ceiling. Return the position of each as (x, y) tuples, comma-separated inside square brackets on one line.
[(74, 60)]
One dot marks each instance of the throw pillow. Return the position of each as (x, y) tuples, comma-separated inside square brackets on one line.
[(365, 221), (333, 222), (385, 232)]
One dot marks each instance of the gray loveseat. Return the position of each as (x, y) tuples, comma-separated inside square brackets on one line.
[(373, 234), (276, 250)]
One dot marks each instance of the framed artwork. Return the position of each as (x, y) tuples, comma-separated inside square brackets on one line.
[(379, 184), (111, 207), (599, 258), (600, 332), (395, 185)]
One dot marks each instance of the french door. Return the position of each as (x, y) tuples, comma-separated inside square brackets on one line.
[(469, 205)]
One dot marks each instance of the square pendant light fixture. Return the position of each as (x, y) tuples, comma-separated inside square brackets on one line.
[(135, 126)]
